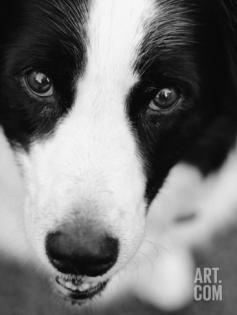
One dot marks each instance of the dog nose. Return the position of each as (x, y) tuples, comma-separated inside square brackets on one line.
[(82, 251)]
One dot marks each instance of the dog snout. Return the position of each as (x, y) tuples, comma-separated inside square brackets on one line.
[(83, 250)]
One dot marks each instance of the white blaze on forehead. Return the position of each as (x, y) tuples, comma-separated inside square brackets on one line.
[(90, 165), (116, 29)]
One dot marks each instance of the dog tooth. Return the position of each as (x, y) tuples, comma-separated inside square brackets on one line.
[(77, 281), (68, 284), (85, 287)]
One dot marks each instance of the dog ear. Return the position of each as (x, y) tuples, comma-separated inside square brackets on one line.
[(219, 135)]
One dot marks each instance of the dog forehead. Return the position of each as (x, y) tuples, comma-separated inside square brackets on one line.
[(115, 30), (118, 24)]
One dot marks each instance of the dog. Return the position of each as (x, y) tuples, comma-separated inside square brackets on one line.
[(99, 100)]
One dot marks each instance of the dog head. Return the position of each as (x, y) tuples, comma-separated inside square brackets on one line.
[(99, 99)]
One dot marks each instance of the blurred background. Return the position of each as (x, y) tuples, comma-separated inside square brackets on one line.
[(185, 231)]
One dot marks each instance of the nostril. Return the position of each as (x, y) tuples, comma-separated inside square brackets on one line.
[(103, 258), (90, 255), (57, 251)]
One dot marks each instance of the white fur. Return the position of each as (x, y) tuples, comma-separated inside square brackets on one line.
[(215, 204), (211, 199), (162, 272), (12, 237), (90, 167)]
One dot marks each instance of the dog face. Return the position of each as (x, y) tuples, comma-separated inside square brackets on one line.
[(99, 99)]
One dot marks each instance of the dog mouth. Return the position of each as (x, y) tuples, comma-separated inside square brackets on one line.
[(78, 289)]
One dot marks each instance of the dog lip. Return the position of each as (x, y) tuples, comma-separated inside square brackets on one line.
[(76, 289), (89, 294)]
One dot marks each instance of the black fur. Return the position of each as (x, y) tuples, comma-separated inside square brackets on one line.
[(194, 49), (191, 46), (48, 36)]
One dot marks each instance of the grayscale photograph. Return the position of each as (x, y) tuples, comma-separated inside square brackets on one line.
[(118, 164)]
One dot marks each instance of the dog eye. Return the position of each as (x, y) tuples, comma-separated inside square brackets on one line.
[(165, 100), (39, 84)]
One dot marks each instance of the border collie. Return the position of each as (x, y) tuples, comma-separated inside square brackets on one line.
[(99, 100)]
